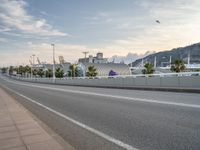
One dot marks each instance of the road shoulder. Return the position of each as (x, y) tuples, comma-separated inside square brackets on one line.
[(21, 130)]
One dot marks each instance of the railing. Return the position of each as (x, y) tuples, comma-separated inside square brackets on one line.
[(183, 80), (125, 76), (139, 75)]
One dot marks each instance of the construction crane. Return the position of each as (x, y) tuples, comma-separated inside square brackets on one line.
[(85, 53), (30, 62), (38, 60)]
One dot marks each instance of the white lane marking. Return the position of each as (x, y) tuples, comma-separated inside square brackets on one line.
[(110, 96), (94, 131)]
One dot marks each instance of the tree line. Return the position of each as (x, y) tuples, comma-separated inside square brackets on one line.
[(26, 71), (177, 66)]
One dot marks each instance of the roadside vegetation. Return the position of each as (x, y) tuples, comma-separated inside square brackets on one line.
[(25, 71), (148, 68), (92, 72), (178, 66), (72, 70)]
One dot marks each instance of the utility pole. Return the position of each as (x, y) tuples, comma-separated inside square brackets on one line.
[(54, 77)]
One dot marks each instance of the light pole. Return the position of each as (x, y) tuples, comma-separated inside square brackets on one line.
[(33, 59), (31, 66), (32, 62), (18, 70), (54, 77)]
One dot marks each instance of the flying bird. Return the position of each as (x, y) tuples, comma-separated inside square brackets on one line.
[(157, 21)]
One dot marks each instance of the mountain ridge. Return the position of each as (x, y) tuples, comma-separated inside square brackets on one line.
[(163, 57)]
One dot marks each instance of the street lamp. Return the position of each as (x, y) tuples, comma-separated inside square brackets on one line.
[(31, 66), (54, 77)]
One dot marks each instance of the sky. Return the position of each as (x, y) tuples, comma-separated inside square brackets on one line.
[(114, 27)]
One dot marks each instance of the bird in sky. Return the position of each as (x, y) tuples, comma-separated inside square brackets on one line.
[(157, 21)]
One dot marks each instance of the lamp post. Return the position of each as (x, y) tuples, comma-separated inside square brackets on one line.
[(31, 66), (32, 70), (54, 77)]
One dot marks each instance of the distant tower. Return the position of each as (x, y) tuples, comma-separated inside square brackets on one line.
[(170, 61), (38, 60), (61, 59), (188, 63), (155, 62), (85, 53), (142, 62)]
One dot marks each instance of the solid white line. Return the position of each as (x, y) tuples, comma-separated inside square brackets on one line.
[(109, 96), (103, 135)]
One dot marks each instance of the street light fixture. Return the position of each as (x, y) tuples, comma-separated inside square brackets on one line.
[(54, 77)]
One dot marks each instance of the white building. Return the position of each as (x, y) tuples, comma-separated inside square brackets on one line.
[(97, 60), (105, 69)]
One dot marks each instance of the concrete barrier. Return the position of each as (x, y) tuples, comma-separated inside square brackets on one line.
[(153, 82)]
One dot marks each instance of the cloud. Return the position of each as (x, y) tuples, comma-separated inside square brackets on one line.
[(71, 52), (99, 18), (43, 51), (3, 40), (14, 15), (179, 26), (4, 29), (130, 57)]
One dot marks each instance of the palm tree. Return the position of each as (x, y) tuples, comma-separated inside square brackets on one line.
[(92, 72), (27, 70), (72, 71), (59, 73), (4, 69), (148, 69), (21, 70), (49, 73), (40, 73), (178, 66), (35, 72), (11, 70)]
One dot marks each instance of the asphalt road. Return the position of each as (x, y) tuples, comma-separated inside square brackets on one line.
[(145, 120)]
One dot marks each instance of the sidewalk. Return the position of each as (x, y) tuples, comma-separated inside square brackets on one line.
[(20, 131)]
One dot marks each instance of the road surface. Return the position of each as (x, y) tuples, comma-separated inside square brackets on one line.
[(101, 118)]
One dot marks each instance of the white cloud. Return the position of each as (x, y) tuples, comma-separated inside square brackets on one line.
[(43, 51), (4, 29), (14, 15), (3, 40), (180, 26)]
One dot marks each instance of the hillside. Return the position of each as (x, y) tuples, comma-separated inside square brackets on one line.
[(177, 53)]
